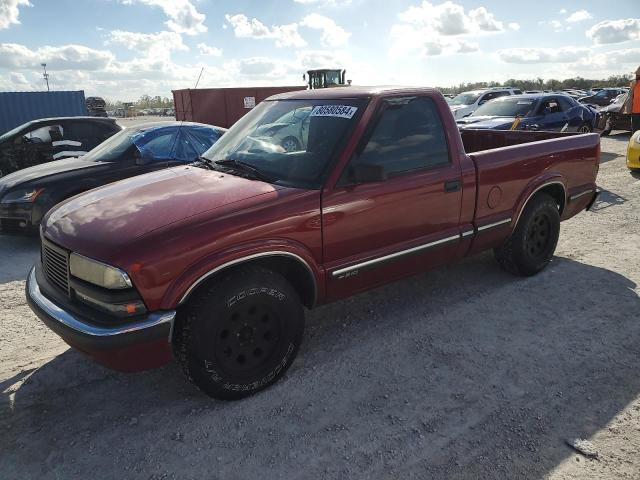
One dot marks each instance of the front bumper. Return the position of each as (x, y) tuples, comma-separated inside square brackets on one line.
[(134, 346), (16, 216)]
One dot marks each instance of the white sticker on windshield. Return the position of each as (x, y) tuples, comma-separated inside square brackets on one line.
[(524, 103), (341, 111)]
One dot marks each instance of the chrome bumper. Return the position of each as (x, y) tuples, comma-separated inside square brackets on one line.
[(42, 306)]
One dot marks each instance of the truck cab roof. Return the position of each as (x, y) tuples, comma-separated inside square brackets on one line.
[(352, 92)]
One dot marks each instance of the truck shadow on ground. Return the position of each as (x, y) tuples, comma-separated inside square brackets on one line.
[(19, 253), (465, 372)]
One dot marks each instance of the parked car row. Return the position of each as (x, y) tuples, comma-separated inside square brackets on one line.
[(466, 103), (26, 195), (537, 112)]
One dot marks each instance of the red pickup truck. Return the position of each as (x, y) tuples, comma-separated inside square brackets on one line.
[(313, 196)]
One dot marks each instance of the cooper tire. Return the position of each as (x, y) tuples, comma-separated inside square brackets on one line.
[(533, 242), (240, 334)]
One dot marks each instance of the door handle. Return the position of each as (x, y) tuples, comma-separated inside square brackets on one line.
[(451, 186)]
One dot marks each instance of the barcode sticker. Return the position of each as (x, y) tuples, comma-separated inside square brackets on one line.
[(341, 111)]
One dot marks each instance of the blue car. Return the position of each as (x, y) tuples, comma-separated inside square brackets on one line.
[(27, 195), (539, 112)]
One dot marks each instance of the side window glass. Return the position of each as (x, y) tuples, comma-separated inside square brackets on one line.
[(408, 136), (565, 104), (160, 147), (46, 134)]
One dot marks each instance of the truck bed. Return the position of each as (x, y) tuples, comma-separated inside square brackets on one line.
[(478, 140), (511, 165)]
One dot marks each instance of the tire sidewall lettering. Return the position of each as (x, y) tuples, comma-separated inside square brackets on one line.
[(236, 387)]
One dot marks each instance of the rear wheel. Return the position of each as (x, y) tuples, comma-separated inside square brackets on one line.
[(585, 128), (240, 334), (533, 242)]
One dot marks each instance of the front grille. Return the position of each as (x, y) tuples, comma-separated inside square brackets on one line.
[(55, 262)]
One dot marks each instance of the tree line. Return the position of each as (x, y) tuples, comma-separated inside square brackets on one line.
[(145, 101), (541, 84)]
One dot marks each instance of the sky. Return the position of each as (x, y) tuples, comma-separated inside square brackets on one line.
[(122, 49)]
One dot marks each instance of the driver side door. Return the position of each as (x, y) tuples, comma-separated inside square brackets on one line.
[(396, 210)]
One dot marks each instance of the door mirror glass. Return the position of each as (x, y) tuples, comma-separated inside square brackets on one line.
[(143, 157)]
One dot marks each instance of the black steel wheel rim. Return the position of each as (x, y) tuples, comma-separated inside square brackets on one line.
[(248, 339), (538, 236)]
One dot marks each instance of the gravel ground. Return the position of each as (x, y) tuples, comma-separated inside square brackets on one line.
[(465, 372)]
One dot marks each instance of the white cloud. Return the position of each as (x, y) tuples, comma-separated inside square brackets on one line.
[(562, 11), (514, 26), (431, 29), (310, 59), (557, 25), (543, 55), (9, 12), (183, 15), (449, 18), (205, 49), (333, 35), (155, 44), (615, 31), (321, 3), (284, 35), (66, 57), (579, 16), (484, 20)]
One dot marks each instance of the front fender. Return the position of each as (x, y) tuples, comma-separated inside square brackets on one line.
[(205, 268)]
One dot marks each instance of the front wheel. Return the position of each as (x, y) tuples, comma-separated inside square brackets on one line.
[(533, 242), (240, 334)]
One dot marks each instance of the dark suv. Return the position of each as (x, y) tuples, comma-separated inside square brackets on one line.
[(47, 139)]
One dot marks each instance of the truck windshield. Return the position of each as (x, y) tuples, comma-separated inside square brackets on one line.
[(467, 98), (290, 142), (506, 107)]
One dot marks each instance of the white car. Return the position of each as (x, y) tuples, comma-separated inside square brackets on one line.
[(465, 103), (289, 131)]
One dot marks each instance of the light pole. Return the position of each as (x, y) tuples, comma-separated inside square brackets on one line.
[(45, 74)]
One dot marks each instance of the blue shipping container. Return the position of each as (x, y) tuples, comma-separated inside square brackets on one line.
[(17, 108)]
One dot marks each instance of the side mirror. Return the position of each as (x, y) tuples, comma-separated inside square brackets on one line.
[(143, 157), (482, 102), (366, 173)]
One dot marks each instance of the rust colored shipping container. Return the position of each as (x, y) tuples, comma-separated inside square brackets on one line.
[(221, 106)]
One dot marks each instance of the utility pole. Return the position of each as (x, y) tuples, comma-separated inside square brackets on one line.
[(45, 74)]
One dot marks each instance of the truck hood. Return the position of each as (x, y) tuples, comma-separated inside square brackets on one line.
[(119, 213), (39, 172), (486, 122)]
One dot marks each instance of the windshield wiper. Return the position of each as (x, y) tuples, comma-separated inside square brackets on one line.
[(206, 161), (245, 167)]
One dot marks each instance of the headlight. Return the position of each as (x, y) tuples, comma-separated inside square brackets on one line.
[(636, 138), (22, 196), (98, 273)]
